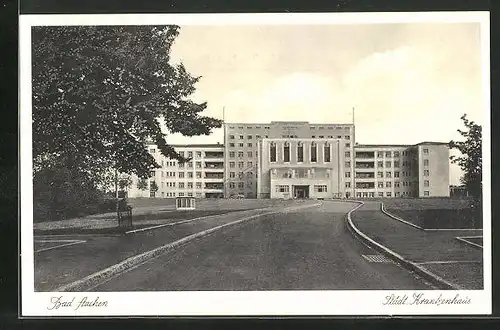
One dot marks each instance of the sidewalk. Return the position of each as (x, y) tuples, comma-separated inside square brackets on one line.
[(438, 251)]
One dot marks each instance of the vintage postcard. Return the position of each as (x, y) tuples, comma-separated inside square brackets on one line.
[(255, 164)]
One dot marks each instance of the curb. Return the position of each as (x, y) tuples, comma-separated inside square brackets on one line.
[(96, 278), (382, 208), (474, 245), (429, 276)]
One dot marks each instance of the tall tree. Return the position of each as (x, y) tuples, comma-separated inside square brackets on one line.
[(471, 160), (100, 93)]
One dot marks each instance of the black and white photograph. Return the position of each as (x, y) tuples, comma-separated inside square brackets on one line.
[(255, 164)]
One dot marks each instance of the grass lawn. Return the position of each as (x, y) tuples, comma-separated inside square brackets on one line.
[(138, 221), (475, 240), (434, 213)]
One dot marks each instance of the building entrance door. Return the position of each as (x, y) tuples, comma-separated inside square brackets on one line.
[(301, 191)]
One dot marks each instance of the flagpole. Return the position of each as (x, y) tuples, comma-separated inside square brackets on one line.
[(225, 150), (353, 155)]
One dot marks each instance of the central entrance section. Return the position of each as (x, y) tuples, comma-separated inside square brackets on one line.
[(301, 191)]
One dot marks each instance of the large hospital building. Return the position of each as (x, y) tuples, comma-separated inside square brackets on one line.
[(300, 160)]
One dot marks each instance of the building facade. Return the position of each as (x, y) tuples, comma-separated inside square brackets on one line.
[(298, 160), (202, 177), (420, 170), (241, 142), (302, 168)]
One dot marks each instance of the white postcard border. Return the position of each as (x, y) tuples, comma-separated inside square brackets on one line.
[(240, 302)]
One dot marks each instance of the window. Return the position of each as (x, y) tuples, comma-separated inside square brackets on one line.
[(240, 145), (347, 174), (396, 194), (388, 164), (396, 174), (321, 136), (300, 152), (241, 137), (426, 193), (181, 194), (190, 175), (396, 153), (396, 184), (249, 154), (241, 185), (231, 145), (348, 185), (380, 194), (232, 174), (327, 153), (348, 164), (257, 136), (181, 175), (198, 154), (426, 183), (232, 185), (380, 154), (286, 152), (396, 163), (249, 164), (426, 162), (426, 172), (347, 154), (388, 194), (190, 154), (190, 165), (283, 189), (347, 137), (152, 151), (181, 165), (380, 164), (249, 137), (320, 188), (387, 154), (273, 152), (231, 154), (241, 164), (240, 154), (314, 157), (388, 184), (198, 194), (231, 164), (380, 185), (388, 174), (198, 164), (380, 174), (426, 151), (181, 184), (190, 185), (249, 145), (198, 175), (347, 145)]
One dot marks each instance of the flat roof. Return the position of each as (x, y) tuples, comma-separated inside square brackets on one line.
[(212, 145), (398, 145)]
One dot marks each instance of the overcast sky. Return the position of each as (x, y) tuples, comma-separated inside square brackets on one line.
[(408, 82)]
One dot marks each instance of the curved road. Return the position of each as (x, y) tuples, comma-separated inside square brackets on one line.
[(301, 250)]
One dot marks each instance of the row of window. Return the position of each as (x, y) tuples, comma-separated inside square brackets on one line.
[(387, 194), (311, 127), (249, 174), (185, 165), (240, 164), (189, 154), (232, 154), (250, 137), (300, 153), (181, 194)]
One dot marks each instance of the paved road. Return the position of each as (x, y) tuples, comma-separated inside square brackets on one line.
[(306, 249)]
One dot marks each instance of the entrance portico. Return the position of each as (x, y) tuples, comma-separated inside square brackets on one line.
[(300, 191)]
